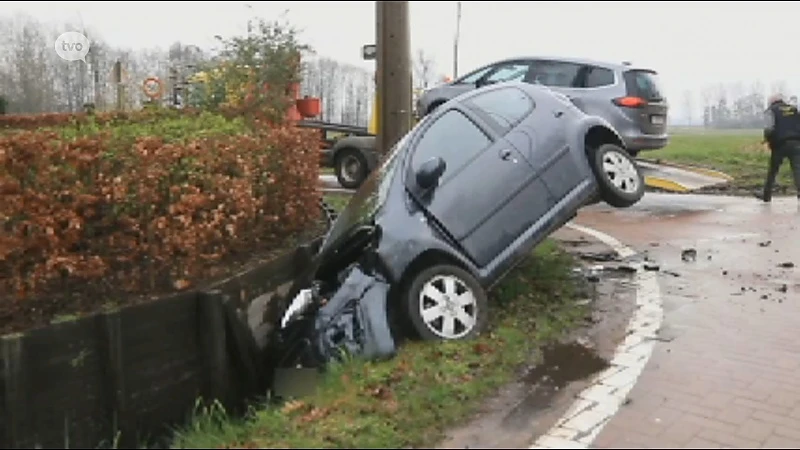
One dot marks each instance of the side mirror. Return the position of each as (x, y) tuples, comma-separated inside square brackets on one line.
[(480, 82), (430, 172)]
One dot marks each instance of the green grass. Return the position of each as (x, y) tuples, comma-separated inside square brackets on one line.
[(411, 399), (740, 155), (172, 129), (337, 201)]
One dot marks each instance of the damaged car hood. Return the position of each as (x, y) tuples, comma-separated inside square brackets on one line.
[(359, 215)]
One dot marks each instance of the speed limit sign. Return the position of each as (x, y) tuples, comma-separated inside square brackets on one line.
[(153, 87)]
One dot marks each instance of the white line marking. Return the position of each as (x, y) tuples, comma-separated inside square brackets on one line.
[(599, 402)]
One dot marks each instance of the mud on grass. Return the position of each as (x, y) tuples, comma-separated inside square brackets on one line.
[(410, 400)]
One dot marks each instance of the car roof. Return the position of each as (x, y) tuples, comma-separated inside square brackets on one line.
[(574, 60), (532, 89)]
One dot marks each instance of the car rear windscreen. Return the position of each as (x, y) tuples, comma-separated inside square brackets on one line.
[(644, 84)]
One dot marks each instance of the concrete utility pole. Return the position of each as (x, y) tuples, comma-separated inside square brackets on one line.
[(393, 72)]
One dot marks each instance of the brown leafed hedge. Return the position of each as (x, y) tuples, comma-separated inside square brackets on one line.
[(138, 218)]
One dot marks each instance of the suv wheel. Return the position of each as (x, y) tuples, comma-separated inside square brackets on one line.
[(445, 302), (621, 182)]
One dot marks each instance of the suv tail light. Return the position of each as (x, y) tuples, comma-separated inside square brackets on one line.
[(630, 102)]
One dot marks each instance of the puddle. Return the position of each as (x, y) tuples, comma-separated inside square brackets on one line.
[(561, 365), (565, 363)]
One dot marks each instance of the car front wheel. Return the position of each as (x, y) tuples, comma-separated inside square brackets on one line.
[(445, 302), (621, 182)]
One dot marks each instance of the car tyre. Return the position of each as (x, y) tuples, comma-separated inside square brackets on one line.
[(621, 182), (445, 302), (351, 168)]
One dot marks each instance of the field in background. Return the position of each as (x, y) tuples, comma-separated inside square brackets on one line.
[(738, 153)]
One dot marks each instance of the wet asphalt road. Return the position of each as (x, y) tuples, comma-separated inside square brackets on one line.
[(723, 373), (739, 241)]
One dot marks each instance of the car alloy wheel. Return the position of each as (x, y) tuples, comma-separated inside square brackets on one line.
[(448, 307), (621, 182), (621, 171), (446, 303)]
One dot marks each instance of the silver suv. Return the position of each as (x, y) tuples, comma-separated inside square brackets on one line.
[(629, 98)]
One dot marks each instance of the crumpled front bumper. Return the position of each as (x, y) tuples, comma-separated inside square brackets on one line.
[(354, 321)]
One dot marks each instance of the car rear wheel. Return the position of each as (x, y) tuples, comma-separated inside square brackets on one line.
[(621, 182), (351, 168), (445, 302)]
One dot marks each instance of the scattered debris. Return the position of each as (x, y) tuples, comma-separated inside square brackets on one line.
[(652, 267), (784, 288), (600, 256), (669, 272), (689, 255), (625, 268), (764, 297), (786, 265), (724, 272), (765, 244)]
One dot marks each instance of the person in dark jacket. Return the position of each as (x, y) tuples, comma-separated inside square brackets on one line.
[(782, 133)]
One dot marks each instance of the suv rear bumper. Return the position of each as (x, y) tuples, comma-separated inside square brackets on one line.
[(645, 142)]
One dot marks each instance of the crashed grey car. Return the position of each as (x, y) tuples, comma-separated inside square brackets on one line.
[(458, 201)]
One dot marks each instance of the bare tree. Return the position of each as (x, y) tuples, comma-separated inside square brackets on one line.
[(424, 69), (687, 106), (34, 79)]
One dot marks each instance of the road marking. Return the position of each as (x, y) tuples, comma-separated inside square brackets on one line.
[(599, 402)]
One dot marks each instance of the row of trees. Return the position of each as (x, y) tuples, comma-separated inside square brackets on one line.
[(33, 79), (733, 105)]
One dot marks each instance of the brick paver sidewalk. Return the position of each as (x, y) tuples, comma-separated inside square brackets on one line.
[(725, 370)]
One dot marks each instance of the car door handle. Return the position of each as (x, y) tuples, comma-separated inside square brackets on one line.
[(505, 154)]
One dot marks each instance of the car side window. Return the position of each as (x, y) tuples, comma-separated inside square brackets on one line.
[(505, 106), (475, 76), (556, 74), (598, 77), (454, 138), (515, 71)]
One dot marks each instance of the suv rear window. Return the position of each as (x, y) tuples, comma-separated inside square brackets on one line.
[(644, 84)]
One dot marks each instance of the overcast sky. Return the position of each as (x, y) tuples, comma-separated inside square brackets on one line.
[(691, 44)]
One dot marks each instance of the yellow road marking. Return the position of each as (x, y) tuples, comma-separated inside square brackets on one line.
[(665, 184)]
